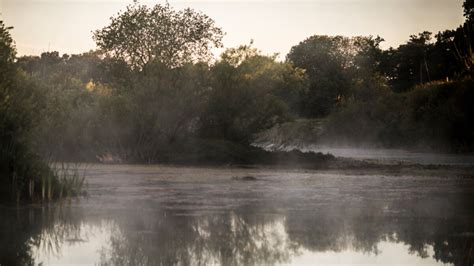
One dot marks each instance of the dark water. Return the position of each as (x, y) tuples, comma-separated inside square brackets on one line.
[(157, 215)]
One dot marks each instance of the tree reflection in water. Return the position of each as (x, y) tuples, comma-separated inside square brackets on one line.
[(172, 238), (150, 231), (235, 238), (45, 229)]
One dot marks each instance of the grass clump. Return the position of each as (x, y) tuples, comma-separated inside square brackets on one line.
[(71, 181)]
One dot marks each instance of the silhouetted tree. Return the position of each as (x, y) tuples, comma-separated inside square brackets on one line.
[(408, 65), (326, 61), (142, 34)]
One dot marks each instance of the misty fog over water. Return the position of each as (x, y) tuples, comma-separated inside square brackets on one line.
[(183, 215)]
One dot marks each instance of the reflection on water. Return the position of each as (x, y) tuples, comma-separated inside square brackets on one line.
[(188, 216)]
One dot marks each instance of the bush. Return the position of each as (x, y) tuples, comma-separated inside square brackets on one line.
[(441, 115), (436, 115)]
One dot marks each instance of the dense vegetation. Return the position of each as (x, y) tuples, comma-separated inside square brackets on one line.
[(23, 172), (152, 93), (418, 95)]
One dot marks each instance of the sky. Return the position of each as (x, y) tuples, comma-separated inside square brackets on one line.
[(274, 25)]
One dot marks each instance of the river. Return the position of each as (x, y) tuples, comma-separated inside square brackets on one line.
[(170, 215)]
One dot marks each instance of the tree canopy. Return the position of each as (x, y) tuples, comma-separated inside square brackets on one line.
[(142, 34), (332, 64), (250, 92)]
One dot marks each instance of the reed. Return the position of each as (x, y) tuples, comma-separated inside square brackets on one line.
[(70, 180)]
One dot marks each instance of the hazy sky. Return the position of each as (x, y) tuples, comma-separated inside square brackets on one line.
[(275, 26)]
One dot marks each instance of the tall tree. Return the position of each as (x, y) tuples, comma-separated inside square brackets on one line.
[(332, 64), (141, 34), (408, 64)]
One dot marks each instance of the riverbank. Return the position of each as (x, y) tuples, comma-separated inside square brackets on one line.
[(224, 154), (342, 166)]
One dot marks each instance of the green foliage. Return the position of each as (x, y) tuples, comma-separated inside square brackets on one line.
[(446, 107), (250, 92), (17, 162), (104, 107), (427, 113), (408, 65), (372, 116), (332, 65), (23, 173), (352, 82), (422, 60), (15, 157), (66, 93), (161, 106), (141, 34), (436, 116)]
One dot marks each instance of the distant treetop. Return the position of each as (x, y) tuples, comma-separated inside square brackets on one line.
[(142, 34)]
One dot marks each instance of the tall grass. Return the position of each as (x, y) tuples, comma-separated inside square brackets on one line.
[(56, 181), (70, 180)]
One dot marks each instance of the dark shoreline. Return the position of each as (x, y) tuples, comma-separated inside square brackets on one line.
[(342, 166)]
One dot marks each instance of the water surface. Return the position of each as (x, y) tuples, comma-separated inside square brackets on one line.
[(396, 155), (163, 215)]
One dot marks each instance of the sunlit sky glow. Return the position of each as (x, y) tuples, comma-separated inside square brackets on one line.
[(66, 25)]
